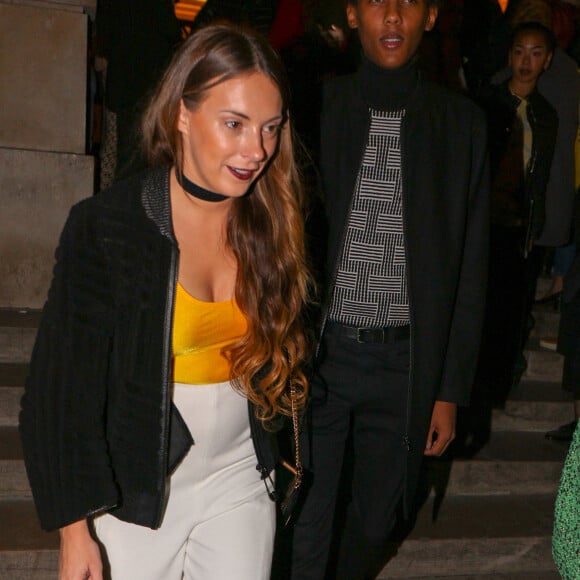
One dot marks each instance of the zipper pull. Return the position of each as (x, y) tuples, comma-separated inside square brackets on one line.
[(407, 442)]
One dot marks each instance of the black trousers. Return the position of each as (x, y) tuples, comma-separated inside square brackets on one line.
[(510, 297), (360, 392)]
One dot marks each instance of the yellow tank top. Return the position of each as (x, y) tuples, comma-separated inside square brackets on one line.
[(200, 331)]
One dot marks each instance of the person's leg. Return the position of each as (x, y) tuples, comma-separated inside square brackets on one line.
[(217, 478), (569, 345), (236, 544), (504, 311), (563, 260), (531, 268), (233, 532), (133, 551), (380, 460), (330, 420), (138, 552)]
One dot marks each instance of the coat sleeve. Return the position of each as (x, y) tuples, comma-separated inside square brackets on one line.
[(541, 173), (469, 308), (62, 410)]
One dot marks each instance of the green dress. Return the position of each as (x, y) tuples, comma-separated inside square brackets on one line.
[(566, 536)]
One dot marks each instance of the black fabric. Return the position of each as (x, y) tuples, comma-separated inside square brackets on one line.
[(197, 191), (96, 410), (369, 335), (505, 310), (445, 207), (138, 38), (258, 14), (358, 410), (525, 197), (180, 439), (388, 89)]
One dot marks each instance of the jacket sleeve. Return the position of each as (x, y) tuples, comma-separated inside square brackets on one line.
[(468, 312), (62, 410), (541, 173)]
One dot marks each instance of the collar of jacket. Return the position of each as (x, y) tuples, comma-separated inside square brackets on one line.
[(158, 206), (514, 100)]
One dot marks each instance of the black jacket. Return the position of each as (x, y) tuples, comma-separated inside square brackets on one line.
[(523, 191), (98, 428), (445, 213)]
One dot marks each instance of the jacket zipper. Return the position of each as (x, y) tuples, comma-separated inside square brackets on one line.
[(406, 438), (530, 169), (168, 325)]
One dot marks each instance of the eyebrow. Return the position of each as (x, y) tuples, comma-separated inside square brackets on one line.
[(244, 116), (519, 45)]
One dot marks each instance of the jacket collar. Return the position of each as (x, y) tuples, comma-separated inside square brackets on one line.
[(156, 201)]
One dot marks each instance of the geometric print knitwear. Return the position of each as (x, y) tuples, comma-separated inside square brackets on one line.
[(371, 283)]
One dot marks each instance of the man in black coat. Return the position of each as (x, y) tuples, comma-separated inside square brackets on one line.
[(137, 38), (403, 165)]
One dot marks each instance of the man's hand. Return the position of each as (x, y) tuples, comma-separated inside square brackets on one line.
[(442, 428), (80, 557)]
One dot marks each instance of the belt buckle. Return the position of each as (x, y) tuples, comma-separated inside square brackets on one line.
[(374, 332)]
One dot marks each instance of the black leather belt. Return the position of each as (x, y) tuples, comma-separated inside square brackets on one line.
[(370, 335)]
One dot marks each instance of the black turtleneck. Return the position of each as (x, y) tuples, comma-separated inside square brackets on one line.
[(388, 89)]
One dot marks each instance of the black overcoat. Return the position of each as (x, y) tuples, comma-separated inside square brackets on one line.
[(445, 196)]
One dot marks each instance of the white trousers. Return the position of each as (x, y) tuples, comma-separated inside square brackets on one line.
[(219, 523)]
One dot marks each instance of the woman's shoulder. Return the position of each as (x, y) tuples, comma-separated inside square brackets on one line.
[(122, 207), (125, 196)]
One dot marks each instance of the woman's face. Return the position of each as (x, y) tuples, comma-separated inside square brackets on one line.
[(229, 138), (529, 56)]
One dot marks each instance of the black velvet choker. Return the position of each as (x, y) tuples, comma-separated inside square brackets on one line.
[(388, 89), (197, 191)]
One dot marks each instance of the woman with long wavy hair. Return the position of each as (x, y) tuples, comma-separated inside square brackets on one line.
[(171, 344)]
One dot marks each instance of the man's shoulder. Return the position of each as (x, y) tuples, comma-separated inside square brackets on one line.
[(440, 96), (449, 107)]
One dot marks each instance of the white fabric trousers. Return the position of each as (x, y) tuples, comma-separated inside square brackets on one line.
[(219, 523)]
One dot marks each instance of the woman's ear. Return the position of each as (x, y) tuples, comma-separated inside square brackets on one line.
[(183, 118)]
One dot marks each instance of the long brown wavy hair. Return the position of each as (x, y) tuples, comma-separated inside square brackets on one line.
[(265, 227)]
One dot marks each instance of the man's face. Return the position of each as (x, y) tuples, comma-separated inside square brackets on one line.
[(390, 31)]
